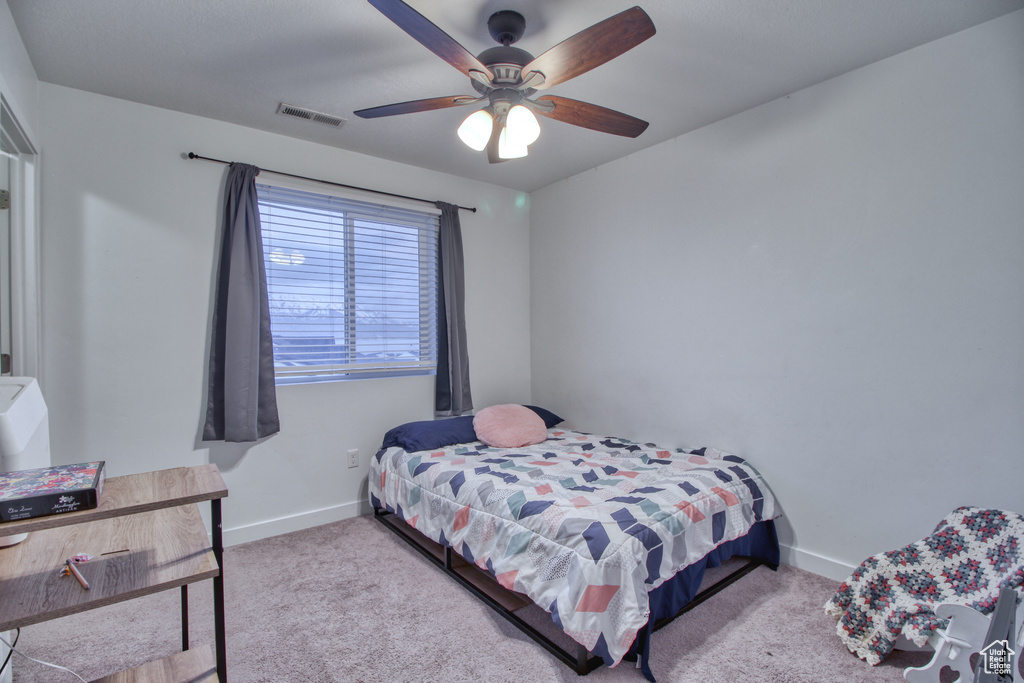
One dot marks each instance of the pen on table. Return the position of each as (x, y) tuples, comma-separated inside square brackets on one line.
[(78, 574)]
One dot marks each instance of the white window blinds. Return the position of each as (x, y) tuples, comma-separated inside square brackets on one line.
[(352, 286)]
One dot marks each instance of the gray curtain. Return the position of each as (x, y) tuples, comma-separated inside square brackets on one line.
[(452, 392), (242, 401)]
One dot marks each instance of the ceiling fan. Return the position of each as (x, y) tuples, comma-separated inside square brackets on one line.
[(507, 77)]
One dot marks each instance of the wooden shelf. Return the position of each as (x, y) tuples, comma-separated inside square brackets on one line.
[(146, 536), (168, 548), (194, 666), (135, 493)]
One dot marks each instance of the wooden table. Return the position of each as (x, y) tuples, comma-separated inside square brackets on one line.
[(155, 518)]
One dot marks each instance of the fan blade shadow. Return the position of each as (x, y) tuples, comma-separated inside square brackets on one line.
[(429, 35), (592, 47), (592, 116), (414, 106)]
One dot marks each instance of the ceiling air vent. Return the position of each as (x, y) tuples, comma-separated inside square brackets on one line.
[(310, 115)]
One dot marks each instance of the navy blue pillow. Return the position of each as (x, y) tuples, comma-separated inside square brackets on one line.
[(429, 435), (550, 419)]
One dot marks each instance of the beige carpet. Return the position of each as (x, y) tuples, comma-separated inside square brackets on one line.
[(351, 602)]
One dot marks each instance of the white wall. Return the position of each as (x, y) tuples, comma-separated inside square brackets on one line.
[(830, 284), (130, 233)]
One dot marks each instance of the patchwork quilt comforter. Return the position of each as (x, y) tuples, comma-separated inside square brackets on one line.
[(584, 525)]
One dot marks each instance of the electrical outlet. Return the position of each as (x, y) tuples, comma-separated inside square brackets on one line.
[(353, 457)]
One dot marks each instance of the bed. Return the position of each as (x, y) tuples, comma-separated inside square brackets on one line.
[(611, 537)]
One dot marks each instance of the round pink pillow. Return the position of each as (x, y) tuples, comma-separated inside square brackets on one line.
[(509, 426)]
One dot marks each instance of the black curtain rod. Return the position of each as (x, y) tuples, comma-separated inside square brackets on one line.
[(193, 155)]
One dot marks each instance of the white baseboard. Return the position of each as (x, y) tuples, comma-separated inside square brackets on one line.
[(794, 557), (303, 520), (816, 564)]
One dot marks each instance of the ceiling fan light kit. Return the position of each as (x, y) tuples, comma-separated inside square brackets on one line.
[(506, 77)]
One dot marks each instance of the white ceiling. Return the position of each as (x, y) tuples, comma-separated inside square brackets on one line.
[(237, 60)]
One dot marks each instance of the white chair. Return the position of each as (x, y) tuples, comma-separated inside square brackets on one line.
[(970, 632)]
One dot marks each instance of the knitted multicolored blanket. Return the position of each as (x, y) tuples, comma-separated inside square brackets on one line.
[(971, 555)]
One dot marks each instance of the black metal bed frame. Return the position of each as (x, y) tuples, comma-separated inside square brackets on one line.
[(506, 602)]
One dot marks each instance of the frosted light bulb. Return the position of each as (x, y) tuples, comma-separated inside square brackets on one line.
[(475, 131), (509, 150), (522, 126)]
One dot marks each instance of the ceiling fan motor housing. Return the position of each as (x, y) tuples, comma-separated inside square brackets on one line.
[(506, 26), (505, 63)]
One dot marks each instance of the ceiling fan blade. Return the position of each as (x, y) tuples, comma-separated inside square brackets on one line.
[(430, 36), (492, 144), (415, 106), (592, 116), (592, 47)]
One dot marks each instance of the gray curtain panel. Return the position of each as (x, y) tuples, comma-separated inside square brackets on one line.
[(242, 400), (452, 392)]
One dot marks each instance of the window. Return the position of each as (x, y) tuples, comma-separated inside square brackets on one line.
[(352, 286)]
